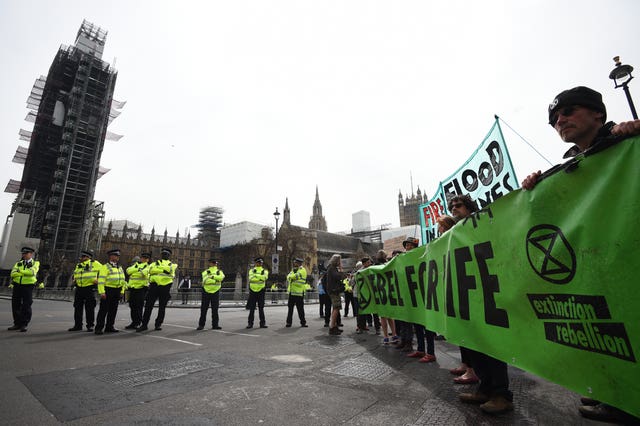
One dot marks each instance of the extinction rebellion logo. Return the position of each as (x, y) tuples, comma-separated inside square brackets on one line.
[(550, 254), (580, 321)]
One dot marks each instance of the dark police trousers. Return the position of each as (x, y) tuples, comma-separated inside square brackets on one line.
[(349, 300), (212, 299), (21, 300), (298, 302), (108, 308), (162, 294), (84, 299), (256, 298), (136, 304)]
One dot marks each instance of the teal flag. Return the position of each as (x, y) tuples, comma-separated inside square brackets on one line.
[(544, 279), (486, 176)]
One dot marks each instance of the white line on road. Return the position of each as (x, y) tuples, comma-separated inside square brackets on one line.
[(165, 338), (216, 331)]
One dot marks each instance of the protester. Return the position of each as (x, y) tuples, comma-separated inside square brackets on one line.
[(579, 117), (361, 319), (386, 323), (445, 222), (335, 275), (462, 206), (421, 333)]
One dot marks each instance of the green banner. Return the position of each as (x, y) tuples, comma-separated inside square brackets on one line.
[(544, 280)]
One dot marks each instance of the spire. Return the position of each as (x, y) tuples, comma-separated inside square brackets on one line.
[(286, 218), (411, 177), (317, 221)]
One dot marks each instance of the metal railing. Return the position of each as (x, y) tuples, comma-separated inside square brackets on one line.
[(179, 298)]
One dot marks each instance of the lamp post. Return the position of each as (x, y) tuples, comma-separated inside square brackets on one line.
[(275, 259), (276, 214), (621, 76)]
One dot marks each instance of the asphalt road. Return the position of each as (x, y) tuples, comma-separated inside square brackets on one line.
[(234, 376)]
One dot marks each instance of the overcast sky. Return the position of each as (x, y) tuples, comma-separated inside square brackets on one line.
[(242, 104)]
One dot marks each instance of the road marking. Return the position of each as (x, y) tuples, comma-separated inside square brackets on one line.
[(215, 331), (166, 338)]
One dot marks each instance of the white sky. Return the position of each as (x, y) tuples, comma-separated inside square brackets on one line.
[(244, 103)]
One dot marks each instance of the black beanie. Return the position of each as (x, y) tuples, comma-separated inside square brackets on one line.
[(581, 96)]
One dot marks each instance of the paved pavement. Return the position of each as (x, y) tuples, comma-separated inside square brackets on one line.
[(234, 376)]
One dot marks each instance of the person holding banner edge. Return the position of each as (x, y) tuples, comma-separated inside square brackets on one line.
[(493, 392), (580, 117)]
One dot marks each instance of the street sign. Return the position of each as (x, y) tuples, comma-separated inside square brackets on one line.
[(275, 260)]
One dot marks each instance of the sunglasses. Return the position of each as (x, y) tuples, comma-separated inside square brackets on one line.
[(457, 205), (565, 111)]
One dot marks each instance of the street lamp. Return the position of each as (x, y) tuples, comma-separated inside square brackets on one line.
[(621, 76), (274, 259), (276, 214)]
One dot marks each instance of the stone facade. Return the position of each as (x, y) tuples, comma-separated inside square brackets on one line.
[(408, 208), (191, 255)]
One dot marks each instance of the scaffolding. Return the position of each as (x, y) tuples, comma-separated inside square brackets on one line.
[(71, 108)]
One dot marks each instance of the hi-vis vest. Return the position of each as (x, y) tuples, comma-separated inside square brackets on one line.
[(162, 272), (86, 273), (257, 278), (212, 279), (297, 279), (347, 287), (111, 276), (25, 272), (138, 275)]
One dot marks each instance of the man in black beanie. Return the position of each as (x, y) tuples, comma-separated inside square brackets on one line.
[(579, 116)]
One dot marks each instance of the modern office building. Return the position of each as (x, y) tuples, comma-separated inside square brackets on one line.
[(71, 108)]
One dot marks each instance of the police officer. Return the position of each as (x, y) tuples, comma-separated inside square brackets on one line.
[(138, 285), (211, 283), (85, 277), (257, 281), (161, 275), (297, 280), (111, 285), (23, 279)]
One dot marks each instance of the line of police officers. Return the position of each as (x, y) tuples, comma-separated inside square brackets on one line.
[(147, 283)]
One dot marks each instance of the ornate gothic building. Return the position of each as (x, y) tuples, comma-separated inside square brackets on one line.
[(408, 208), (191, 255)]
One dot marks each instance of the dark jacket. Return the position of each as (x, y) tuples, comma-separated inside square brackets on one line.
[(334, 280)]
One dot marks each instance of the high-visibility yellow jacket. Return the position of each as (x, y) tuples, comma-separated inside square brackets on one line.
[(257, 278), (86, 273), (297, 280), (24, 272), (212, 279), (138, 275), (347, 287), (162, 272), (111, 276)]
